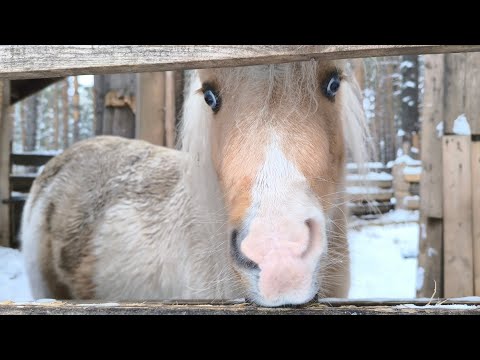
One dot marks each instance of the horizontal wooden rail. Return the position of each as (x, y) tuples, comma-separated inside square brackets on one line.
[(331, 307), (40, 61), (22, 183), (30, 159)]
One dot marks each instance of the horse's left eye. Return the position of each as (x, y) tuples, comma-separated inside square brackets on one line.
[(332, 86), (212, 99)]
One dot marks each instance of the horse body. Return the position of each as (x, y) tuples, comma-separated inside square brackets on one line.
[(252, 206)]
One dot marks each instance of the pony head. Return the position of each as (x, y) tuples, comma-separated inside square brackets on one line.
[(275, 139)]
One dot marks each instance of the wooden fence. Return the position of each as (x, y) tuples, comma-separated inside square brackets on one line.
[(450, 208)]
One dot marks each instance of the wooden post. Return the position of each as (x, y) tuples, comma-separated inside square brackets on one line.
[(151, 107), (170, 111), (457, 208), (119, 94), (5, 139), (476, 213), (454, 93), (430, 258), (472, 89)]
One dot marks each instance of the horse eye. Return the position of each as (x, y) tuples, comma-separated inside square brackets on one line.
[(332, 86), (212, 99)]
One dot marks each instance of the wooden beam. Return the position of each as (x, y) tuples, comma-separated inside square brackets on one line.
[(21, 89), (179, 308), (150, 114), (454, 92), (170, 110), (26, 61), (457, 220), (472, 92), (430, 257), (476, 213), (22, 183), (5, 138), (27, 159)]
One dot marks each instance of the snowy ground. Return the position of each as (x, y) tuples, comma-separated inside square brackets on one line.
[(383, 260)]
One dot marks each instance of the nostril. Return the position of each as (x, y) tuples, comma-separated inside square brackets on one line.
[(237, 254), (309, 225)]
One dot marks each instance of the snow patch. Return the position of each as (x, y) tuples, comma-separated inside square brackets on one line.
[(381, 176), (412, 170), (461, 126), (420, 277), (377, 266), (13, 280), (439, 129), (404, 159), (438, 306), (400, 132), (431, 252)]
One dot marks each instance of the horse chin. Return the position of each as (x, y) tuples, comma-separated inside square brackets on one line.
[(293, 298)]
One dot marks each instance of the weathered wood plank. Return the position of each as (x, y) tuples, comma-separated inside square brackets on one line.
[(170, 110), (5, 138), (151, 308), (22, 183), (430, 259), (472, 92), (476, 213), (457, 220), (454, 92), (27, 159), (150, 113), (27, 61), (21, 89)]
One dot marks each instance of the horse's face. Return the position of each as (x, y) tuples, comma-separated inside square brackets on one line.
[(277, 147)]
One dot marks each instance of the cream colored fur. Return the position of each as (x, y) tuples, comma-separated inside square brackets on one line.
[(121, 219)]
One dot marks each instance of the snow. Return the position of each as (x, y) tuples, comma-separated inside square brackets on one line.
[(384, 261), (370, 165), (439, 129), (420, 277), (412, 170), (400, 132), (414, 150), (406, 64), (438, 306), (409, 84), (372, 176), (370, 190), (13, 281), (404, 159), (461, 126), (398, 216)]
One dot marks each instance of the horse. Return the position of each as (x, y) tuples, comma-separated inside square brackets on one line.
[(250, 205)]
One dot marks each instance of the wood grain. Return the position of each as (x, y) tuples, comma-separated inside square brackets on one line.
[(150, 114), (454, 92), (472, 90), (457, 221), (476, 213), (5, 138), (240, 308), (38, 61)]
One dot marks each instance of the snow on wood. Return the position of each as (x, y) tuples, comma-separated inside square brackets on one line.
[(461, 126)]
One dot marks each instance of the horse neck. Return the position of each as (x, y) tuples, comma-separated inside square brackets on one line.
[(209, 238)]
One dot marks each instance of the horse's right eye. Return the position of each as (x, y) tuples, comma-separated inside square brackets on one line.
[(212, 99)]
